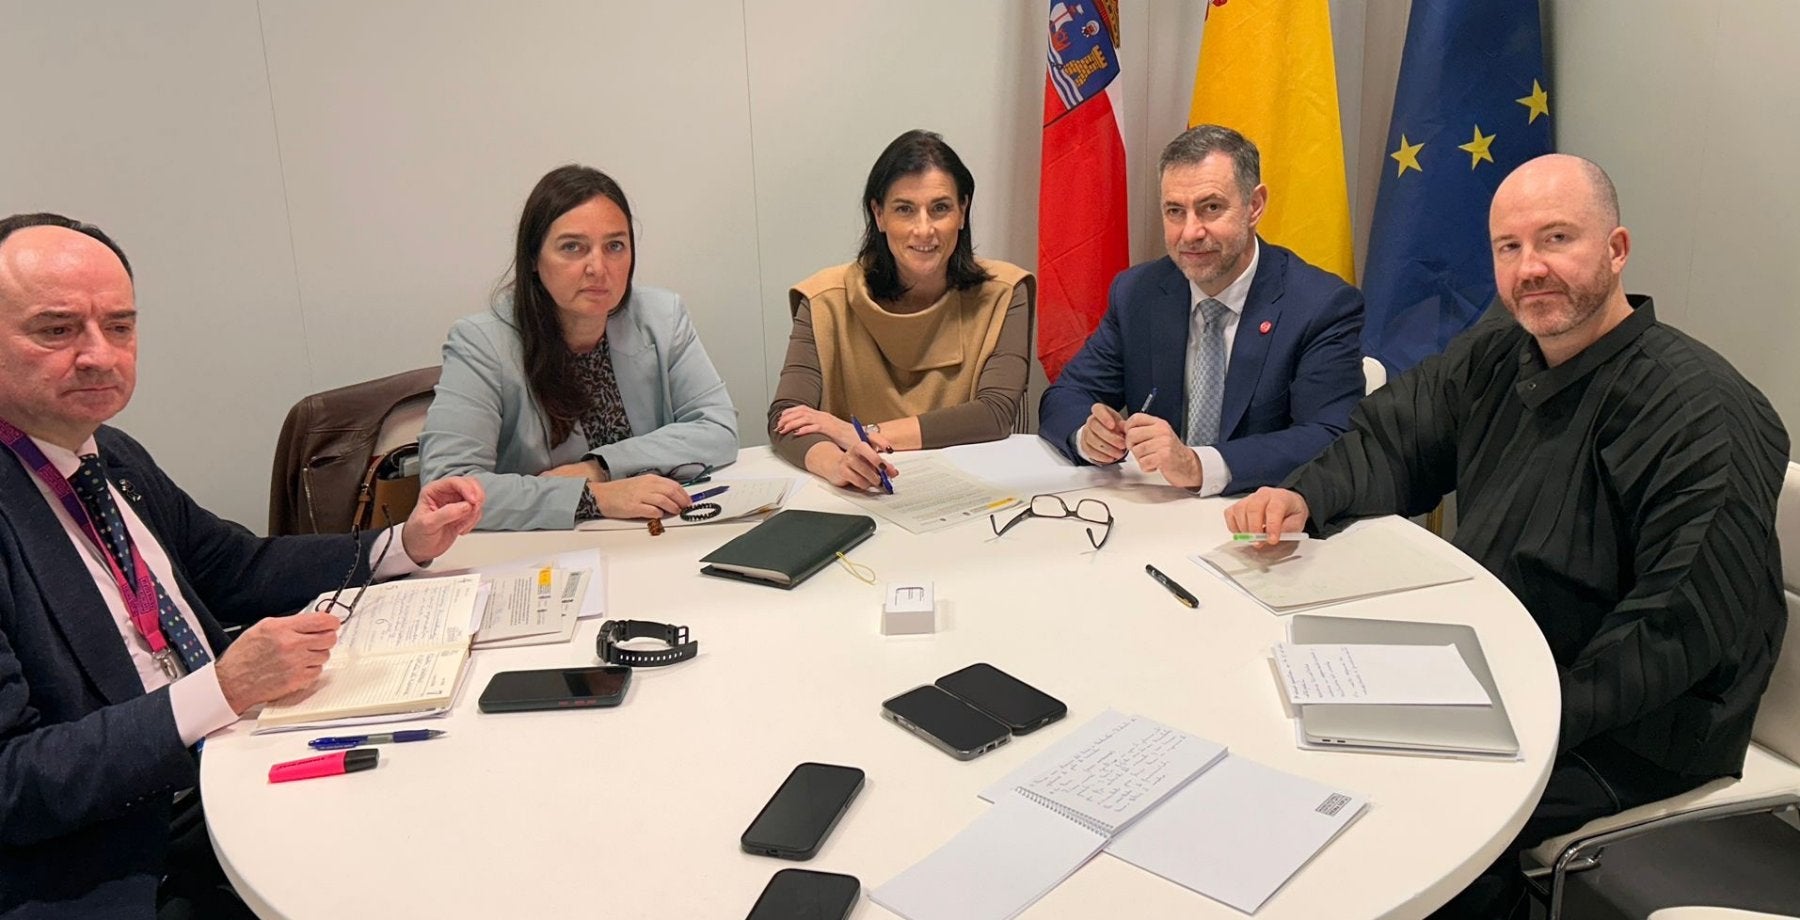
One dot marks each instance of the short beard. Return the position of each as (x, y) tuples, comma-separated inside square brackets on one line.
[(1585, 298)]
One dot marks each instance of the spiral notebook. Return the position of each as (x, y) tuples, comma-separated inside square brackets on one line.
[(1045, 827)]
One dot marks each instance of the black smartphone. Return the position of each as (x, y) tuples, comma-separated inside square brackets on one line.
[(556, 688), (802, 894), (805, 809), (951, 725), (1015, 703)]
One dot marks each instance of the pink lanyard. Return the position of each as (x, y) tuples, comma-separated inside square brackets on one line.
[(140, 602)]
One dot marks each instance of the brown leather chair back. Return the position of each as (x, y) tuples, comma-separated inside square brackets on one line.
[(327, 444)]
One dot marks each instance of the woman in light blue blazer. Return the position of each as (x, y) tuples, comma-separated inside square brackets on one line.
[(579, 396)]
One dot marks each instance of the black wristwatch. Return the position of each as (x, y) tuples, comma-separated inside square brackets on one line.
[(613, 632)]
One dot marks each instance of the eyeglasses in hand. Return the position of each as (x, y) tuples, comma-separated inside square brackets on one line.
[(343, 609), (686, 474), (1091, 510)]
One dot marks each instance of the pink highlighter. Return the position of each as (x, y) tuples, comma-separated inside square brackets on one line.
[(351, 761)]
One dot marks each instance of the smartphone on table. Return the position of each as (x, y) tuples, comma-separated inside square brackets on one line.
[(802, 894), (951, 725), (556, 688), (803, 811), (1014, 703)]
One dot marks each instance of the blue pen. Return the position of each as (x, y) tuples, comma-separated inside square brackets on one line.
[(709, 493), (340, 742), (887, 484)]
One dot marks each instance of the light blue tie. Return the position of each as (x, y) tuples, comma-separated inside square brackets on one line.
[(1206, 378)]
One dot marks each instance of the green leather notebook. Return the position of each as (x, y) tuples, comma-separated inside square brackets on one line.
[(789, 547)]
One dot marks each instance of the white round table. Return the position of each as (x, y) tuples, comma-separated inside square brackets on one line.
[(636, 811)]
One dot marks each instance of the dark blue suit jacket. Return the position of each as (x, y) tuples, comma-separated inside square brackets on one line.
[(88, 760), (1288, 392)]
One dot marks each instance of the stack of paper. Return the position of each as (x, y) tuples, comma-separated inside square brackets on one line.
[(1050, 820), (1236, 833), (1296, 576), (535, 601), (1027, 465), (932, 493), (530, 606)]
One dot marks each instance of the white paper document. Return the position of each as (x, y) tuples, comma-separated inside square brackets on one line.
[(930, 494), (591, 599), (1235, 833), (1312, 573), (1238, 832), (1407, 675), (1027, 465), (743, 498), (1052, 816), (1002, 863), (529, 608)]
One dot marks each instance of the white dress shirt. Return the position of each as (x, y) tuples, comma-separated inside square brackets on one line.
[(198, 702)]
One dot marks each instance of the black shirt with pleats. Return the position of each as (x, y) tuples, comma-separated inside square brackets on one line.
[(1626, 496)]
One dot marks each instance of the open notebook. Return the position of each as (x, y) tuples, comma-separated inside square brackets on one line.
[(400, 654), (1051, 821), (1313, 573), (1236, 833)]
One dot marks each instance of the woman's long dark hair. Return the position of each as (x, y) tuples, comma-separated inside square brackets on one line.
[(917, 151), (549, 368)]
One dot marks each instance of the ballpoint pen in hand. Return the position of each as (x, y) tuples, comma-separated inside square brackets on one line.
[(887, 485), (1284, 536), (709, 493), (340, 742)]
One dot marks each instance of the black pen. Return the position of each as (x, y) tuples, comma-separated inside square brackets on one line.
[(1181, 594)]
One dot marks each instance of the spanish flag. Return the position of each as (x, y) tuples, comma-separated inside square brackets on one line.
[(1266, 70)]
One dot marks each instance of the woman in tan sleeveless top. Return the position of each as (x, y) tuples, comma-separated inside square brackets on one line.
[(924, 344)]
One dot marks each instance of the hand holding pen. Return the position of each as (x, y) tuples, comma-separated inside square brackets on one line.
[(881, 465), (1103, 436)]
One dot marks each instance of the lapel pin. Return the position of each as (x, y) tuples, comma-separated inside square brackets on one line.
[(1265, 327)]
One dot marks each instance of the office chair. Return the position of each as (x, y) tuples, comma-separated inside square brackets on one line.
[(1725, 843)]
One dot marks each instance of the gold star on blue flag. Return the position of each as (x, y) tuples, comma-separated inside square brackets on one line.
[(1470, 106)]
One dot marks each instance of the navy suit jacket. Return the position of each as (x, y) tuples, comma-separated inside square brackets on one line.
[(1288, 390), (88, 760)]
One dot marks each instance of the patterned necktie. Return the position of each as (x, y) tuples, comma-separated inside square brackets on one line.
[(90, 484), (1206, 378)]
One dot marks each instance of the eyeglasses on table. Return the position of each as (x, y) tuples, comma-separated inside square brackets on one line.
[(1090, 510)]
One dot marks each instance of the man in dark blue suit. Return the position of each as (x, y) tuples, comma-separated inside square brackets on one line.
[(1237, 360), (113, 586)]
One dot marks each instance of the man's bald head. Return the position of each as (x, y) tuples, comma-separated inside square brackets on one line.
[(1576, 180), (1559, 252), (68, 328), (17, 222)]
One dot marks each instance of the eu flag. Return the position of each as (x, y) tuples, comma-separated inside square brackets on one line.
[(1470, 106)]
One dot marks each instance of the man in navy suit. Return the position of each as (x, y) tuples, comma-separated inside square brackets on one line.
[(1235, 359), (113, 585)]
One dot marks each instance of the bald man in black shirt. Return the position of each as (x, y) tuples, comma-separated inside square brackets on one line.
[(1618, 476)]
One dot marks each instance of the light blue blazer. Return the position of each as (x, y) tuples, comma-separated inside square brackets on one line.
[(484, 423)]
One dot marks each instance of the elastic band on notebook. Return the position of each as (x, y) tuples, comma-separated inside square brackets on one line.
[(857, 569)]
